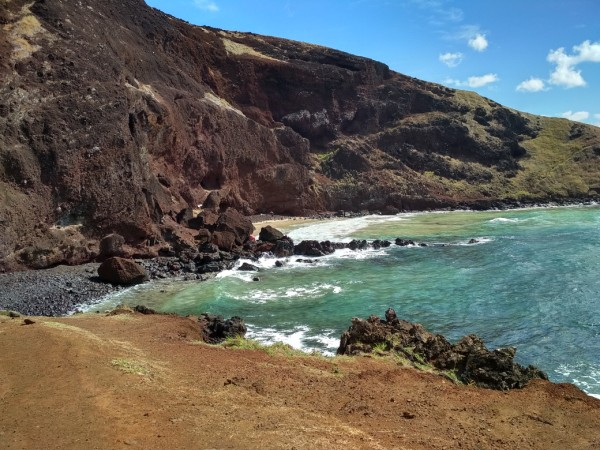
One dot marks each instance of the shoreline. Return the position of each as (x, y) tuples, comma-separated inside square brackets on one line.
[(62, 290)]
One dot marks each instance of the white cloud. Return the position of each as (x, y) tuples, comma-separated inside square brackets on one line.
[(451, 59), (206, 5), (578, 116), (483, 80), (532, 85), (478, 42), (597, 120), (474, 82), (452, 82), (439, 11), (565, 73)]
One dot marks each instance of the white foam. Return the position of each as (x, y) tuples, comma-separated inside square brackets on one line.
[(503, 220), (584, 375), (293, 337), (340, 230), (296, 338), (479, 241), (330, 342), (314, 290)]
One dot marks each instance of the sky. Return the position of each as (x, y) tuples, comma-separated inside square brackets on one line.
[(537, 56)]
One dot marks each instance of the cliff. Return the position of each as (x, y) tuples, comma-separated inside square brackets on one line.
[(115, 117)]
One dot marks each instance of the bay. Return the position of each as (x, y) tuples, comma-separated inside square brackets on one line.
[(532, 281)]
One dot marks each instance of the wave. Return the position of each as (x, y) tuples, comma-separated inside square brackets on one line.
[(299, 337), (584, 375), (314, 290), (293, 337), (341, 230), (504, 220)]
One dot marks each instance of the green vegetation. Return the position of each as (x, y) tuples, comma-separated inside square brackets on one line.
[(276, 349), (129, 366)]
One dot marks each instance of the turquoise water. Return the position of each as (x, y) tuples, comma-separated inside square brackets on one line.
[(532, 281)]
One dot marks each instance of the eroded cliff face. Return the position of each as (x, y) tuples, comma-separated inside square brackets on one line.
[(114, 117)]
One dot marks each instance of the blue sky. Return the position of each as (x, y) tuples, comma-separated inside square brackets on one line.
[(538, 56)]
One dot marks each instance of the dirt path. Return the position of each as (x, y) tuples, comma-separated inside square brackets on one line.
[(134, 381)]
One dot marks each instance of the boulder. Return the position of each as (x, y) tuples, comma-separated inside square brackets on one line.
[(213, 201), (206, 219), (264, 247), (309, 248), (111, 245), (404, 242), (184, 216), (283, 247), (234, 222), (203, 236), (358, 245), (121, 271), (247, 267), (215, 329), (225, 240), (270, 234), (143, 309)]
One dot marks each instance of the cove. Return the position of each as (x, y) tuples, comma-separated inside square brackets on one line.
[(531, 280)]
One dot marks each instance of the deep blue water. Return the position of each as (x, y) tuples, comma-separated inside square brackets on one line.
[(532, 281)]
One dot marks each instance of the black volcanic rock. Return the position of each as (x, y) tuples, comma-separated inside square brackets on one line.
[(270, 234), (469, 358), (215, 328)]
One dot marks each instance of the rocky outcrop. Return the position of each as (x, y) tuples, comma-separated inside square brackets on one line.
[(270, 234), (127, 131), (216, 329), (121, 271), (468, 359)]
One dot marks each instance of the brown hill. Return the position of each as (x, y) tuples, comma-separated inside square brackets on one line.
[(135, 381), (114, 117)]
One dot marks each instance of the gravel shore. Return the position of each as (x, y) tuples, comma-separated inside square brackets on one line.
[(52, 292)]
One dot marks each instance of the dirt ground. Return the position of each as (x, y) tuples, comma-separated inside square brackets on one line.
[(134, 381)]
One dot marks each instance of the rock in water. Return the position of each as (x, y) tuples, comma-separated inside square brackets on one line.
[(247, 267), (309, 248), (283, 247), (122, 271), (270, 234)]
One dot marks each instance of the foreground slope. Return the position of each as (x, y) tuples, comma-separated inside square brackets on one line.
[(146, 382), (114, 117)]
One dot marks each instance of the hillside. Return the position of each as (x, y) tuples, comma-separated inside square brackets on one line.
[(115, 117), (147, 381)]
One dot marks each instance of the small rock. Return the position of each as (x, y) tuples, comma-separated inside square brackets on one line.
[(247, 267), (28, 322)]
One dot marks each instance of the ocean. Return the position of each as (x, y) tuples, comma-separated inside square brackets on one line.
[(532, 281)]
